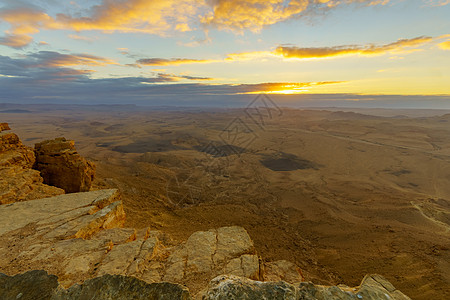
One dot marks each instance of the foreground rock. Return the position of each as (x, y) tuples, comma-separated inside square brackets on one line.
[(373, 287), (19, 181), (61, 165), (40, 285), (50, 233), (79, 236)]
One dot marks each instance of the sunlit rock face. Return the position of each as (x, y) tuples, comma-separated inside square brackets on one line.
[(4, 126), (19, 181), (61, 165)]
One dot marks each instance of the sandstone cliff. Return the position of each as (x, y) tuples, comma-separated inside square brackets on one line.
[(19, 181), (61, 165)]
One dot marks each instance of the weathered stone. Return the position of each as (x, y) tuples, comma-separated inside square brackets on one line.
[(376, 286), (246, 265), (211, 252), (28, 286), (123, 288), (233, 287), (39, 285), (20, 214), (147, 253), (19, 182), (61, 165), (22, 184), (373, 287), (200, 248), (43, 234), (282, 270), (116, 235), (120, 258), (4, 126), (34, 285), (232, 242)]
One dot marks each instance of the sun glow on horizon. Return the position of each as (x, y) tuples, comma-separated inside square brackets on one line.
[(156, 49)]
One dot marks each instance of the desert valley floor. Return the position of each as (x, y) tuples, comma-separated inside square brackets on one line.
[(341, 194)]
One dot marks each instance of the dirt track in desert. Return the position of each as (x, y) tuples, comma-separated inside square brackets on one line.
[(342, 194)]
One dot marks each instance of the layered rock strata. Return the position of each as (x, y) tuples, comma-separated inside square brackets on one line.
[(18, 181), (61, 165)]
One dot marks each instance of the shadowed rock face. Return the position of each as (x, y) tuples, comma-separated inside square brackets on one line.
[(61, 165), (30, 285), (39, 285)]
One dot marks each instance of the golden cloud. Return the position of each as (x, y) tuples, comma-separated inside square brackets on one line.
[(15, 41), (166, 17), (293, 52), (445, 45), (238, 15), (146, 16), (325, 52), (50, 59)]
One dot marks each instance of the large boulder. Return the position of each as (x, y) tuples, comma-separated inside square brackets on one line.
[(61, 165), (18, 181)]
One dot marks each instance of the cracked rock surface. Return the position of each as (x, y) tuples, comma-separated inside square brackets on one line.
[(78, 236)]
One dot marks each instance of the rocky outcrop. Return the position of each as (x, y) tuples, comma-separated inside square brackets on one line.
[(61, 165), (54, 233), (39, 285), (18, 181), (79, 238), (4, 126), (373, 287)]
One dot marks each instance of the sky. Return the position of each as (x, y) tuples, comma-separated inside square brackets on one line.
[(216, 52)]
